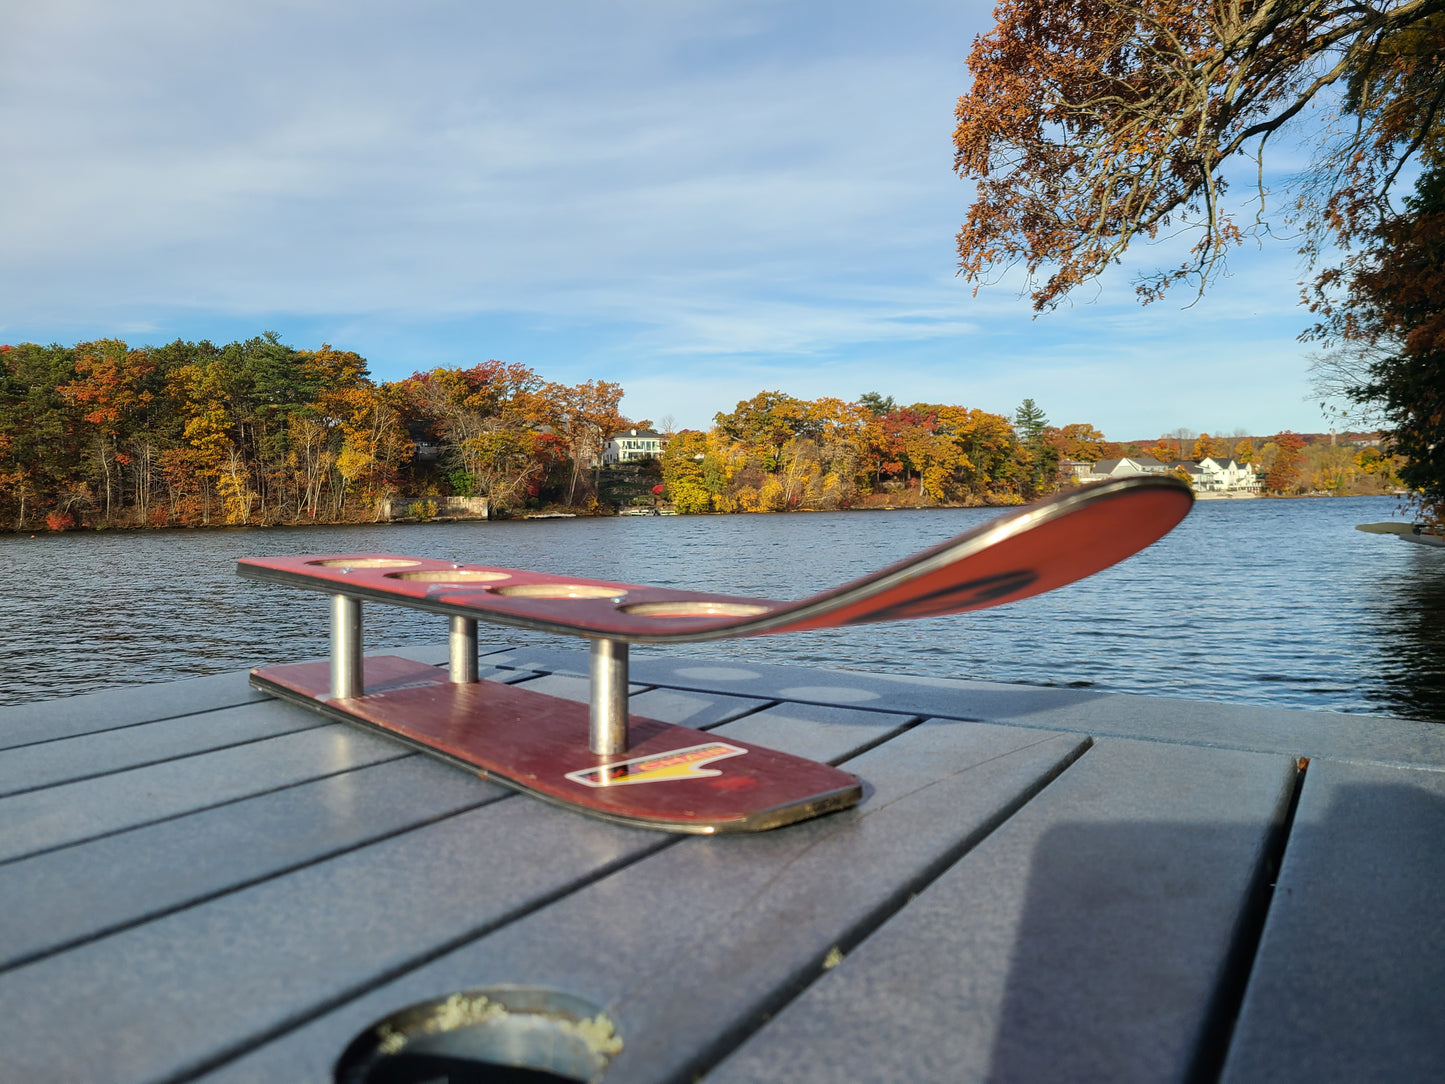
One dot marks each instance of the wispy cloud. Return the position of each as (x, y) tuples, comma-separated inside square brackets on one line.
[(698, 198)]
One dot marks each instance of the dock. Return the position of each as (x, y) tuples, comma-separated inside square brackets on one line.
[(198, 882)]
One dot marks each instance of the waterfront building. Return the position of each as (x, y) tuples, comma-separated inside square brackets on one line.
[(633, 445), (1212, 475)]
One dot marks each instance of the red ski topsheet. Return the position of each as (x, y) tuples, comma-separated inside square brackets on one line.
[(1020, 554)]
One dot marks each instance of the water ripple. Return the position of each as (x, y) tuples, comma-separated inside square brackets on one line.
[(1263, 602)]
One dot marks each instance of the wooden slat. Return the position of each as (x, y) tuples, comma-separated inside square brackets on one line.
[(1085, 940), (1347, 982), (684, 947), (67, 814), (701, 710), (49, 763), (233, 967), (823, 732), (569, 686), (163, 999), (1230, 726), (830, 735), (115, 708), (79, 892)]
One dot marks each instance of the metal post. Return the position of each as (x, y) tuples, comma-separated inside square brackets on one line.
[(463, 643), (347, 678), (608, 668)]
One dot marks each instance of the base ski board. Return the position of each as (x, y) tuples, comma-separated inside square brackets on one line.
[(597, 758), (671, 777)]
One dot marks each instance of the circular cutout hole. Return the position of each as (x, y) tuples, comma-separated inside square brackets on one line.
[(684, 608), (491, 1033), (560, 590), (450, 575), (364, 562)]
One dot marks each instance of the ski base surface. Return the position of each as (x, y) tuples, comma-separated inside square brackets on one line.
[(672, 778)]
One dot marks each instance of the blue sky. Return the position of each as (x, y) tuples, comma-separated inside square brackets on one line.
[(698, 200)]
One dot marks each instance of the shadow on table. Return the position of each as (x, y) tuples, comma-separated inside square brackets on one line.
[(1137, 940)]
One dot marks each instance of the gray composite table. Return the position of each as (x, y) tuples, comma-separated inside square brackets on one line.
[(197, 882)]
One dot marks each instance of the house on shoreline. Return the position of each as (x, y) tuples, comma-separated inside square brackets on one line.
[(1213, 476), (632, 446)]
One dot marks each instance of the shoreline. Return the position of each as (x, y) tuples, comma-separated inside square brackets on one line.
[(560, 513), (549, 516)]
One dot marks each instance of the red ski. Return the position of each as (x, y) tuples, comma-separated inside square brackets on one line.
[(598, 759)]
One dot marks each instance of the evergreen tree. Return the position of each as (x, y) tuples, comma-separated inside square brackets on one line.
[(1029, 423), (877, 404)]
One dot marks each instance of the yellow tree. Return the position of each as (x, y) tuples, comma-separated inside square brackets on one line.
[(684, 473), (374, 443), (768, 421), (843, 440), (988, 442), (1079, 441), (199, 390), (335, 430), (311, 460), (1209, 447)]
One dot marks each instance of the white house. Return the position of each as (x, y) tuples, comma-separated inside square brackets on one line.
[(1124, 468), (1221, 475), (633, 445), (1210, 476)]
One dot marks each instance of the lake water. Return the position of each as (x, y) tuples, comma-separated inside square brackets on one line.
[(1263, 602)]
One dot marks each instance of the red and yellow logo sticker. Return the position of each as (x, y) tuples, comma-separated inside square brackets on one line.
[(686, 763)]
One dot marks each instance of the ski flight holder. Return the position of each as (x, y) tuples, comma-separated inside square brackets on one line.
[(598, 759)]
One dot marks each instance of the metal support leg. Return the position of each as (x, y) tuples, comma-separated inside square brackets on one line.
[(463, 643), (346, 654), (608, 735)]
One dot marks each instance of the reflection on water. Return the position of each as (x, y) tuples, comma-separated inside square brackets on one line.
[(1267, 602), (1413, 637)]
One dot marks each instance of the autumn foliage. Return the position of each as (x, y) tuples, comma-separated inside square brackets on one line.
[(776, 453), (258, 432), (1394, 315), (1094, 123), (1284, 472)]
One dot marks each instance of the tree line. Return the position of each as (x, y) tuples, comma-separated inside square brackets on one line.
[(259, 432), (777, 453)]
